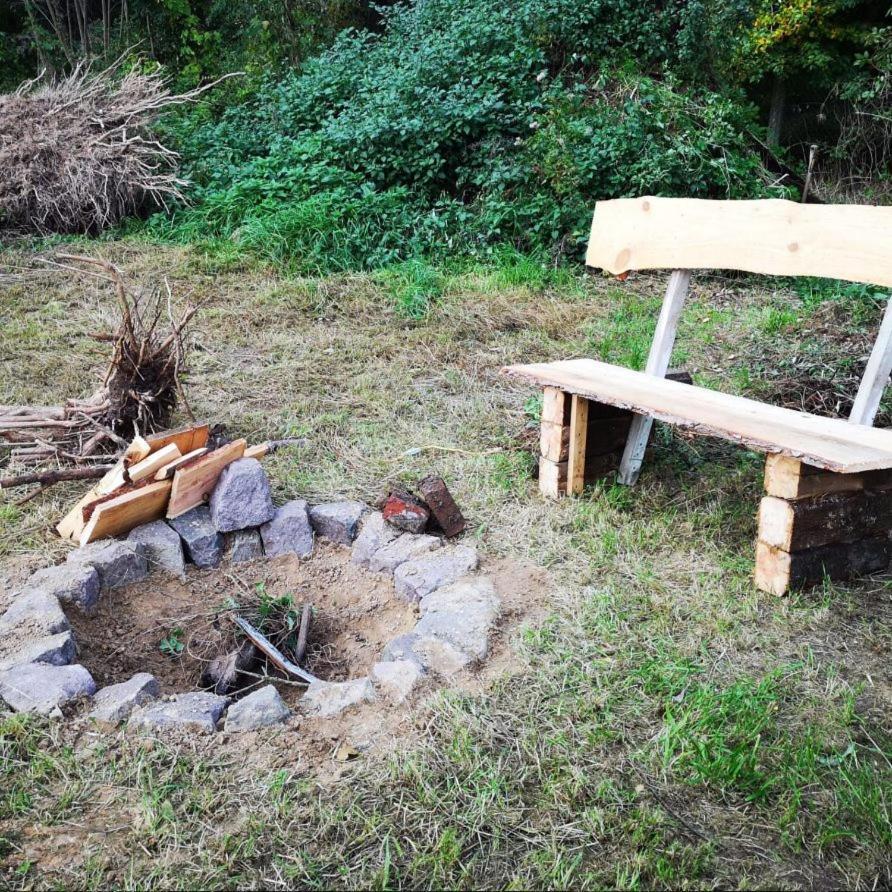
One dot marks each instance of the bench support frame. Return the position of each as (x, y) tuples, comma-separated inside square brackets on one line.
[(657, 365), (814, 524), (580, 440)]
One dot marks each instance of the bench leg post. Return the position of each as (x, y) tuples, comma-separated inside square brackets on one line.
[(577, 445), (815, 524), (657, 365)]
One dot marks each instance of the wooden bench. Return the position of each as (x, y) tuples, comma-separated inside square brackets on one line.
[(828, 507)]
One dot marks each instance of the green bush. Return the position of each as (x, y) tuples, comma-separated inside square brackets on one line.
[(464, 124)]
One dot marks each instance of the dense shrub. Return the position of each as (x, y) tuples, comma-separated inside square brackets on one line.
[(462, 124)]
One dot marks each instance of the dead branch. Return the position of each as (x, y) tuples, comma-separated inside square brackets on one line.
[(47, 478), (139, 392), (271, 652)]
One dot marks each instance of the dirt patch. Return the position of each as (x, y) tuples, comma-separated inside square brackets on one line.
[(173, 628)]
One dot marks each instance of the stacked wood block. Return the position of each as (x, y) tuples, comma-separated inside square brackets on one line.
[(814, 523), (580, 441)]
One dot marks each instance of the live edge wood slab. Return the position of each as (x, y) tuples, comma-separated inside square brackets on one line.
[(828, 443)]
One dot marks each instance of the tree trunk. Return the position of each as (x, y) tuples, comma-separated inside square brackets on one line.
[(777, 112)]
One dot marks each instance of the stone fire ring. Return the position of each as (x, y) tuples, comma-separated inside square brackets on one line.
[(458, 609)]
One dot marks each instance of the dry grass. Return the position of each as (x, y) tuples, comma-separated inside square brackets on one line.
[(587, 768)]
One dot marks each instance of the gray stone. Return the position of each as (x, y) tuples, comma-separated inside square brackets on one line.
[(374, 534), (195, 711), (34, 612), (289, 532), (338, 521), (161, 546), (441, 656), (467, 629), (397, 679), (403, 548), (114, 703), (42, 688), (58, 650), (325, 699), (241, 497), (117, 563), (417, 578), (468, 591), (203, 544), (73, 583), (463, 614), (402, 648), (243, 545), (260, 709)]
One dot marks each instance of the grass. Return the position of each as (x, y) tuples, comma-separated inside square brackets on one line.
[(668, 726)]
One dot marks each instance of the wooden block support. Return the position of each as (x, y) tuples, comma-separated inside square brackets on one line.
[(815, 524), (788, 478), (824, 520), (779, 572), (553, 432), (600, 436)]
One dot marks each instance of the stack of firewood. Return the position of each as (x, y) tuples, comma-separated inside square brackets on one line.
[(164, 475)]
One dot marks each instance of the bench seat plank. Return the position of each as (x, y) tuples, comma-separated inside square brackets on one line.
[(829, 443)]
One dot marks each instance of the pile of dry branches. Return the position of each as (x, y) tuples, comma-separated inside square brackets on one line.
[(138, 394), (78, 155)]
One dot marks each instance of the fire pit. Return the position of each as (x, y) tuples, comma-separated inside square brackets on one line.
[(149, 619)]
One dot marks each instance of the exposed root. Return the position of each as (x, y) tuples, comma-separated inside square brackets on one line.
[(140, 390)]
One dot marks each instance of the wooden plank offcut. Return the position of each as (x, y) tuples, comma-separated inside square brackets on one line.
[(194, 483), (71, 526), (768, 236), (186, 439), (829, 443), (122, 513)]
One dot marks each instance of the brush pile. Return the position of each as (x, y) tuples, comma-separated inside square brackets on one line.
[(78, 155), (139, 392)]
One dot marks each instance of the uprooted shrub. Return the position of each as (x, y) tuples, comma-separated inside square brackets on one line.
[(78, 155)]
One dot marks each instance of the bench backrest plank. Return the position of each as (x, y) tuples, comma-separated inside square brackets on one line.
[(772, 236)]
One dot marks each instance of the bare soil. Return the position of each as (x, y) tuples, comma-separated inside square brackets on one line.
[(355, 614)]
